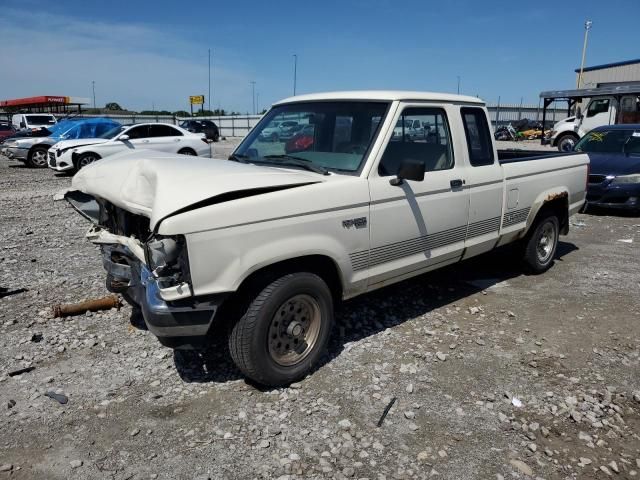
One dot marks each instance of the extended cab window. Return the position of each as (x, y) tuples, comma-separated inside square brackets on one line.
[(478, 136), (420, 134), (598, 106)]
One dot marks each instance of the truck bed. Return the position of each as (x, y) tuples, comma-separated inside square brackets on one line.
[(515, 155)]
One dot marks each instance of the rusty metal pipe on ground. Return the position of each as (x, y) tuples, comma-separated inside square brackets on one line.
[(104, 303)]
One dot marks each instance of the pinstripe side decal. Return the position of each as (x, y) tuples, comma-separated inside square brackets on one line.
[(405, 248), (483, 227), (517, 216)]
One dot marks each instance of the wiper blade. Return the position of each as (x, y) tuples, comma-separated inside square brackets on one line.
[(238, 157), (299, 162)]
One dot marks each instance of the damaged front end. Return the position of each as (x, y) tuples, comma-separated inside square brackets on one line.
[(150, 271)]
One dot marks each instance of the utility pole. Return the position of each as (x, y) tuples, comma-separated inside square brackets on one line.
[(587, 27), (257, 102), (295, 73), (209, 97), (458, 84), (93, 86), (253, 95)]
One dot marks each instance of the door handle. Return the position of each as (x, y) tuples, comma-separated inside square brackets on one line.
[(145, 141), (457, 183)]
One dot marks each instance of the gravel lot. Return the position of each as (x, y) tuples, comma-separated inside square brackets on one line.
[(496, 375)]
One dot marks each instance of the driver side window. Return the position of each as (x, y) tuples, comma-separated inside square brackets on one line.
[(419, 134), (138, 132), (598, 106)]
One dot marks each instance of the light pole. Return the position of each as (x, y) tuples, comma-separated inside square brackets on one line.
[(257, 102), (295, 73), (209, 97), (587, 27), (93, 87), (458, 84), (253, 95)]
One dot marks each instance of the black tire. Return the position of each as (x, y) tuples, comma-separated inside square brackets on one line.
[(538, 252), (37, 157), (188, 151), (216, 137), (85, 159), (566, 142), (252, 341)]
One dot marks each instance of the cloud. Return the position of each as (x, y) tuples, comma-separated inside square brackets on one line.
[(133, 64)]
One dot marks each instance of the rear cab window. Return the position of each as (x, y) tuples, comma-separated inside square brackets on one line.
[(478, 135)]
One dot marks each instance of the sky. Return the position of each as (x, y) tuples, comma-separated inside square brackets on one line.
[(146, 54)]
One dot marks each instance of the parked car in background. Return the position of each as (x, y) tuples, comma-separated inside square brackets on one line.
[(209, 128), (302, 141), (72, 155), (268, 243), (6, 130), (33, 150), (277, 130), (32, 121), (614, 178)]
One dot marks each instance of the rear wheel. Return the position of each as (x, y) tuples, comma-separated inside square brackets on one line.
[(187, 151), (541, 244), (86, 159), (37, 157), (284, 331)]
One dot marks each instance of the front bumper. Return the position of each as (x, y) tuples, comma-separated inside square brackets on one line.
[(16, 153), (180, 324), (59, 163), (606, 195)]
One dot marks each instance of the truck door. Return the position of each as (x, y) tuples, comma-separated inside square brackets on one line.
[(484, 179), (417, 225), (600, 111)]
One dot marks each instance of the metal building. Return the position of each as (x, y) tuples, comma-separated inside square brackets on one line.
[(600, 75)]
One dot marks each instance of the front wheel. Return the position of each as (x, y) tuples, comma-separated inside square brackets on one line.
[(37, 157), (187, 151), (567, 142), (86, 159), (541, 244), (284, 331)]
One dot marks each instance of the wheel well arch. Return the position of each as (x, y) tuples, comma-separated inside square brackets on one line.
[(558, 204), (568, 133), (322, 265), (183, 149), (37, 145)]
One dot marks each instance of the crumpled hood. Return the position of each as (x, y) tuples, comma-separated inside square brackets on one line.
[(79, 142), (157, 184)]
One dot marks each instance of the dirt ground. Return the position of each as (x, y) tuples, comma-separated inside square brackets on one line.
[(495, 374)]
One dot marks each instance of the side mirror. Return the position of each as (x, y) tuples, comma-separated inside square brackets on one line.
[(23, 125), (123, 138), (409, 170), (579, 113)]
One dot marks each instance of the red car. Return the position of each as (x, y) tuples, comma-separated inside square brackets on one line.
[(6, 131), (301, 141)]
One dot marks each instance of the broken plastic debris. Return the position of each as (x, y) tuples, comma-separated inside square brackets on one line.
[(515, 401), (58, 397)]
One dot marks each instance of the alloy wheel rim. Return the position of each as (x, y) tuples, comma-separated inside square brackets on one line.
[(39, 157), (568, 144), (546, 241), (294, 330), (84, 161)]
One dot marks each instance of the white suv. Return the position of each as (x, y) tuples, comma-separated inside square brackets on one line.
[(76, 154)]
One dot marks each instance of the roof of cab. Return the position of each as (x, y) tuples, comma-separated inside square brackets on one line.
[(382, 95)]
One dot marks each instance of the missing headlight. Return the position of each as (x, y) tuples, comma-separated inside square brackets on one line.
[(167, 260)]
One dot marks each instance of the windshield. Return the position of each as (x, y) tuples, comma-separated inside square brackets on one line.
[(112, 133), (40, 119), (326, 135), (605, 141)]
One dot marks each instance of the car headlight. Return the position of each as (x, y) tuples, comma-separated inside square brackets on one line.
[(626, 179), (167, 259)]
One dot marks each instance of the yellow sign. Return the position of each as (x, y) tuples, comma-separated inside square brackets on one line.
[(196, 99)]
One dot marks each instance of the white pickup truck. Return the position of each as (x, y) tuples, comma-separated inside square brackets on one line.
[(269, 240)]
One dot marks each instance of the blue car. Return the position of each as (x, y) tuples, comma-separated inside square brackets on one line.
[(32, 150), (614, 177)]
